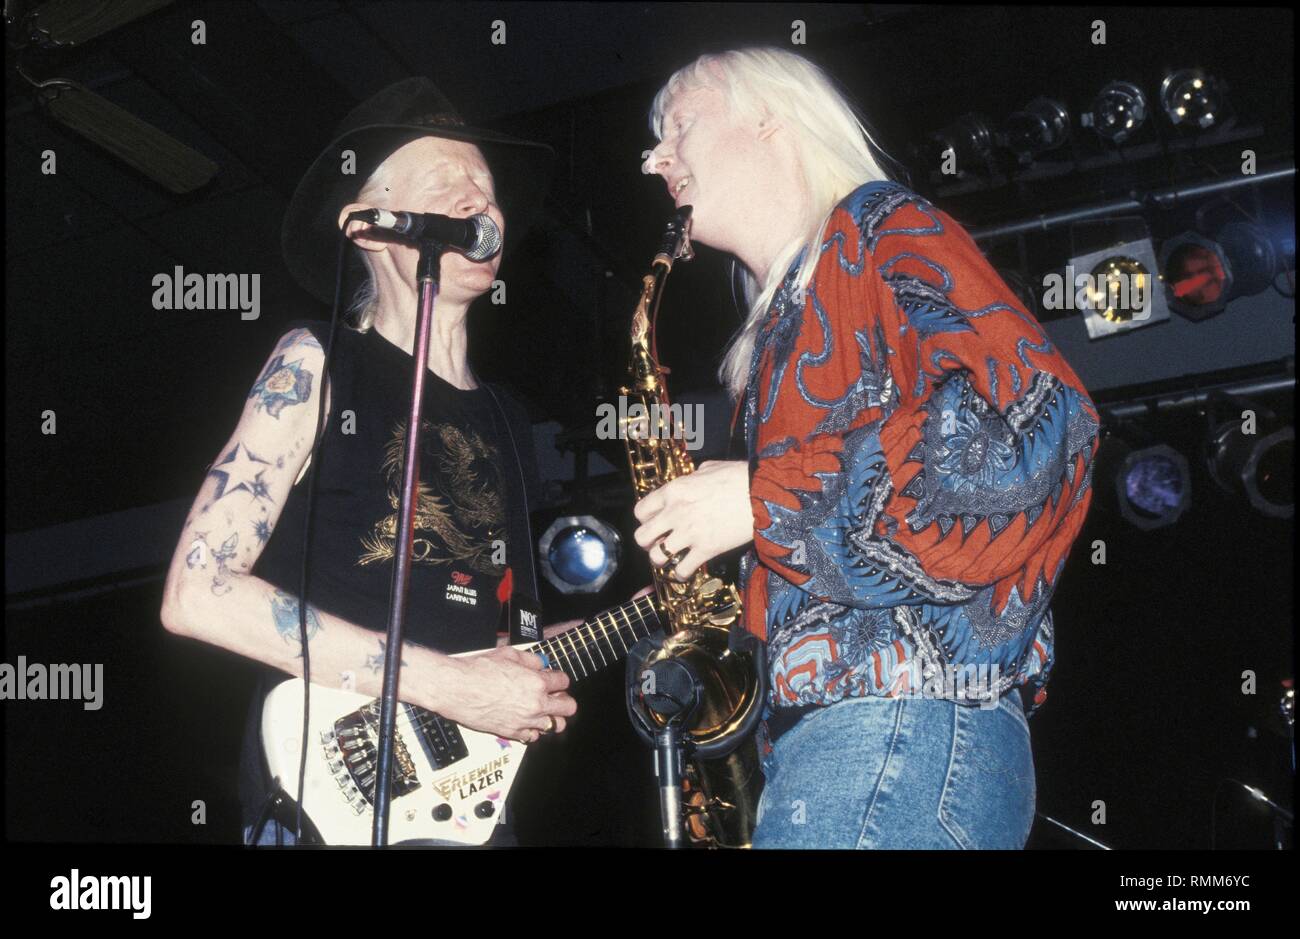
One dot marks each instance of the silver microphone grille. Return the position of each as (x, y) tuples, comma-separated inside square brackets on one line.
[(489, 238)]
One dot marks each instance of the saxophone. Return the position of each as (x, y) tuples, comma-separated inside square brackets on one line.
[(720, 795)]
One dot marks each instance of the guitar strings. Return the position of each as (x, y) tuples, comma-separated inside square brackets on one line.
[(554, 650)]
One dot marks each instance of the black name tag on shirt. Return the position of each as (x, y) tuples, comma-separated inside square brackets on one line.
[(525, 620)]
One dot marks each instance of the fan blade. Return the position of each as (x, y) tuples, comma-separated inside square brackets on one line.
[(73, 22), (159, 156)]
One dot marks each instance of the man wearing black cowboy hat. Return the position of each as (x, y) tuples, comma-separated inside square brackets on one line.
[(235, 575)]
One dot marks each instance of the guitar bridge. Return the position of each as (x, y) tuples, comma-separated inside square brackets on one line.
[(352, 757)]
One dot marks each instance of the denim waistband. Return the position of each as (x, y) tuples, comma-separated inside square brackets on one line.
[(781, 720)]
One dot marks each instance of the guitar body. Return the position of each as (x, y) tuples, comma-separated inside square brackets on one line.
[(450, 783)]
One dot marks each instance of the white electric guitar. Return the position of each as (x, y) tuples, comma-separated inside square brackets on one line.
[(449, 782)]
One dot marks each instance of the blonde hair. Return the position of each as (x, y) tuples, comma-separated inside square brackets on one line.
[(837, 154), (364, 305)]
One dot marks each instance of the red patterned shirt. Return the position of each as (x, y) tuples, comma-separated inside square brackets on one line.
[(920, 464)]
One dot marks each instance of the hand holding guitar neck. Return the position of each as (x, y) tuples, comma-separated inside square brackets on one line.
[(505, 692)]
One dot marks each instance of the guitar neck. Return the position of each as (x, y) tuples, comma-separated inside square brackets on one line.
[(602, 640), (584, 650)]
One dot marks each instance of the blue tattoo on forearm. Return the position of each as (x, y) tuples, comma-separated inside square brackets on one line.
[(285, 612)]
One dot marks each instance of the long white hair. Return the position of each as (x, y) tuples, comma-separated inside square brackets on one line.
[(837, 154), (364, 305)]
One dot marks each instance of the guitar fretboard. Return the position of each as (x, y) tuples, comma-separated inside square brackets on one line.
[(600, 641), (579, 652)]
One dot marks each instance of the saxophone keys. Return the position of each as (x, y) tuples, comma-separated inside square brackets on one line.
[(710, 586), (725, 616)]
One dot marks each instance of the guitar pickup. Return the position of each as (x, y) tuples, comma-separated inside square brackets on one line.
[(441, 740)]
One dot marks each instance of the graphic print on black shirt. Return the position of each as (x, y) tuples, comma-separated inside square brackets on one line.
[(459, 511)]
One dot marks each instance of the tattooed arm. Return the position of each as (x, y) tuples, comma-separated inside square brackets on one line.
[(211, 596)]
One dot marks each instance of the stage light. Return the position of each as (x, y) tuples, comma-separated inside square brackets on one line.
[(579, 553), (1116, 287), (1195, 274), (1120, 288), (1203, 275), (968, 138), (1258, 466), (1040, 126), (1193, 100), (1118, 112), (1153, 486)]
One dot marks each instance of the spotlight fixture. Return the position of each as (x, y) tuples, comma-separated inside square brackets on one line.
[(1203, 275), (1259, 465), (1121, 288), (1153, 486), (1041, 125), (967, 142), (1193, 99), (1118, 112), (1116, 286), (579, 553)]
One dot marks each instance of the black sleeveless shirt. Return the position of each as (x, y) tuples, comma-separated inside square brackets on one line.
[(477, 477)]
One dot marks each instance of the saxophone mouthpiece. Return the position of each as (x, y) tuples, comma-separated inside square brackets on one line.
[(677, 239)]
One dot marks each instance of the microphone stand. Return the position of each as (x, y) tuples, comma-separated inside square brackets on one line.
[(669, 759), (659, 718), (427, 281)]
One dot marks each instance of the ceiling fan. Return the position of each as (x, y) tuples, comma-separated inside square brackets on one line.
[(60, 24)]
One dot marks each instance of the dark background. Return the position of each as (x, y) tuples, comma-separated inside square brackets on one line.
[(1145, 711)]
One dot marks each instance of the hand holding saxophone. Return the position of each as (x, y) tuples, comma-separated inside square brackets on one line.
[(703, 514)]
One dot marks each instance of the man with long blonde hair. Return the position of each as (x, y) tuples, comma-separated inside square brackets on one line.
[(919, 463)]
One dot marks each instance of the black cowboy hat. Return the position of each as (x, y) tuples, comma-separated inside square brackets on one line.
[(402, 112)]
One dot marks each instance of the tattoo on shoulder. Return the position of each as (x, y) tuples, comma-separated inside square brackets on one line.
[(300, 337), (281, 385), (285, 613)]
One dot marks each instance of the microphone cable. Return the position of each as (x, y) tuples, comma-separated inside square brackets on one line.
[(314, 456)]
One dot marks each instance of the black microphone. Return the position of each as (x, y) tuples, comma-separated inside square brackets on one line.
[(477, 237)]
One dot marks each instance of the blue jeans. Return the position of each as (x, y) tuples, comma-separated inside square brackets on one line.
[(268, 837), (906, 772)]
